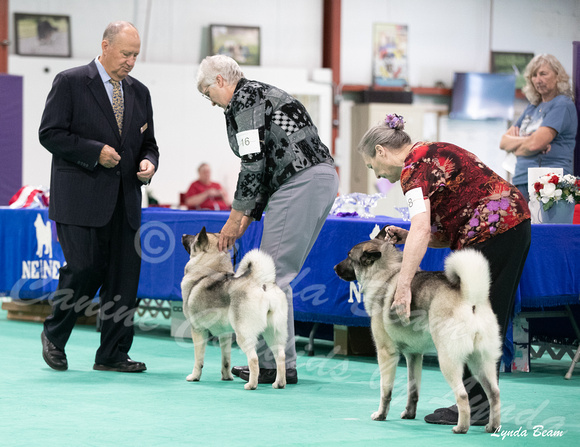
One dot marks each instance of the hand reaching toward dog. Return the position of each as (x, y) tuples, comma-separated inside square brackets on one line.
[(402, 304), (233, 229), (398, 235)]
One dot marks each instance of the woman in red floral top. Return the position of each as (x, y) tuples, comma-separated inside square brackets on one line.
[(455, 201)]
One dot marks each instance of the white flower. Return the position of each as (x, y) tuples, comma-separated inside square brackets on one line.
[(548, 190), (570, 199), (570, 179)]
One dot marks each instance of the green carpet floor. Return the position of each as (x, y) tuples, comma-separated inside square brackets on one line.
[(330, 406)]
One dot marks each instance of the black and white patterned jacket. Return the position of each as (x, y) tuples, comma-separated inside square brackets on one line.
[(275, 138)]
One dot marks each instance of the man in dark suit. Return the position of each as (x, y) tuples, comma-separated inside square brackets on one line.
[(98, 125)]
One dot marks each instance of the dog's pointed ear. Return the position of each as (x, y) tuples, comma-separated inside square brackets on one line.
[(370, 256), (383, 234), (201, 240), (187, 240)]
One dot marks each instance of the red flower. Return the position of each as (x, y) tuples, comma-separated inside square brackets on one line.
[(538, 186), (555, 179)]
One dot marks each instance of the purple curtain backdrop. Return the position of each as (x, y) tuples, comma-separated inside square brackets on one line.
[(10, 136), (576, 80)]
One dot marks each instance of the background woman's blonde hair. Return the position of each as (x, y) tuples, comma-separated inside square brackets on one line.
[(219, 64), (563, 80)]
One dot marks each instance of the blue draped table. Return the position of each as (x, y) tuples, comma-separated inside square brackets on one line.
[(31, 255)]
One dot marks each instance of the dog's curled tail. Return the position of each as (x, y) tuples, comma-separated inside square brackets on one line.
[(258, 264), (470, 270)]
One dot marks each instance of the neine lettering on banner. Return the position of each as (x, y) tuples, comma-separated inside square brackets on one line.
[(40, 269), (354, 291)]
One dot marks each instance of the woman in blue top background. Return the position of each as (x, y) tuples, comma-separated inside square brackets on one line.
[(545, 134)]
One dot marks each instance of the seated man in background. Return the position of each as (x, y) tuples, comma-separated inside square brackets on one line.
[(203, 194)]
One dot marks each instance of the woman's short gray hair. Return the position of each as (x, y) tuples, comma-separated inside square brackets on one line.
[(563, 80), (384, 135), (219, 64)]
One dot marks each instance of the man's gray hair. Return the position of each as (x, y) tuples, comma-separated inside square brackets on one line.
[(114, 28), (219, 64)]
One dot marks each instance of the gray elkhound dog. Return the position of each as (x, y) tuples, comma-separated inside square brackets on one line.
[(248, 303), (449, 309)]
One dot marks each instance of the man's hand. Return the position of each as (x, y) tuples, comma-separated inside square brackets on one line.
[(146, 171), (109, 157)]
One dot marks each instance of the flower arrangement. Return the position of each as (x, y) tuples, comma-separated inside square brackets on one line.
[(553, 188)]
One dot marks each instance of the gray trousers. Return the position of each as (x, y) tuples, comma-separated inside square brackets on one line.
[(295, 215)]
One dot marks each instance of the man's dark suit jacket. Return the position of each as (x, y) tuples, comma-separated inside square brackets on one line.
[(78, 120)]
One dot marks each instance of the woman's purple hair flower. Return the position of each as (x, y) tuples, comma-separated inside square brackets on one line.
[(395, 121)]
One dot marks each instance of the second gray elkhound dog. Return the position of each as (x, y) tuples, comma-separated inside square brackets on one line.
[(449, 309), (249, 303)]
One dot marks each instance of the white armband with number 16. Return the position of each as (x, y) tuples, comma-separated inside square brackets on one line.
[(248, 142), (415, 202)]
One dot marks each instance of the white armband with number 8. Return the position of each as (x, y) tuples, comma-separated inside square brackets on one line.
[(415, 202), (248, 142)]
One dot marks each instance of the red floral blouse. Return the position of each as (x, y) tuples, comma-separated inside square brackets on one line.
[(469, 202)]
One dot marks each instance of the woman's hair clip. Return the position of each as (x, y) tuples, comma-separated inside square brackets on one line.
[(395, 121)]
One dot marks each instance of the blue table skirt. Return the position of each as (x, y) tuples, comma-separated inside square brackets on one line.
[(31, 257)]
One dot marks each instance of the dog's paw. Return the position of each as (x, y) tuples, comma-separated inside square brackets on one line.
[(460, 430), (490, 428), (378, 416), (278, 386), (408, 414), (249, 386), (227, 376), (192, 378)]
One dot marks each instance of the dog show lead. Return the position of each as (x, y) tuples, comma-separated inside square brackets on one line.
[(454, 201)]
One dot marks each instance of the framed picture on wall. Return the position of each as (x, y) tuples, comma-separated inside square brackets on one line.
[(389, 55), (241, 43), (42, 35), (512, 63)]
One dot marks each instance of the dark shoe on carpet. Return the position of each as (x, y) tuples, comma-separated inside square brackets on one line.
[(269, 375), (450, 416), (54, 357), (127, 366), (236, 370)]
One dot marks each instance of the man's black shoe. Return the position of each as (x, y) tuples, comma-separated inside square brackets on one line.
[(127, 366), (236, 370), (54, 357), (269, 375), (450, 416)]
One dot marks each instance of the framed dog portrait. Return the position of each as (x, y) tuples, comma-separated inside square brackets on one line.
[(241, 43), (42, 35)]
